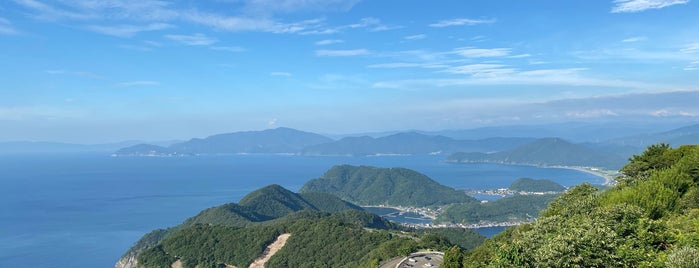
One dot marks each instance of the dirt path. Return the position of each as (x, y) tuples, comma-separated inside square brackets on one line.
[(270, 251)]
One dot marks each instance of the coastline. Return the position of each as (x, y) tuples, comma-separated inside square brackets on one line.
[(607, 175)]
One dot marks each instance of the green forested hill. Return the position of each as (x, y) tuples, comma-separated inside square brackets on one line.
[(317, 240), (325, 232), (534, 185), (649, 219), (384, 186), (515, 208), (260, 206)]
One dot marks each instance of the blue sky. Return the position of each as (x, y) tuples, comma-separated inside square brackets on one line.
[(106, 70)]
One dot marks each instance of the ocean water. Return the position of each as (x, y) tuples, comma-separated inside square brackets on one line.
[(85, 210)]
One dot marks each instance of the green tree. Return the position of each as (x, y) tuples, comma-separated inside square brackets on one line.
[(453, 258)]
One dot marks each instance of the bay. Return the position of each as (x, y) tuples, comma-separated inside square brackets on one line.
[(85, 210)]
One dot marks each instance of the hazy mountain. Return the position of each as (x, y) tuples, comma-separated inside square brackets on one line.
[(410, 143), (573, 131), (384, 186), (58, 147), (547, 152), (675, 137), (271, 141)]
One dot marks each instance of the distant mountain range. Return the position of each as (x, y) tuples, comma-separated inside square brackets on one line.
[(581, 144), (410, 143), (546, 152), (271, 141), (291, 141)]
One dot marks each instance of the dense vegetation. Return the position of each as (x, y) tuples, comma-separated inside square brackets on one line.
[(340, 239), (649, 219), (533, 185), (385, 186), (325, 232), (516, 208), (546, 152), (265, 204)]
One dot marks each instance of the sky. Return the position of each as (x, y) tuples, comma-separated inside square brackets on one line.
[(91, 71)]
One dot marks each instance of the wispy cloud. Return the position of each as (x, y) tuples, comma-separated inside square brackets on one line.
[(329, 42), (692, 66), (470, 52), (691, 48), (630, 6), (634, 39), (341, 53), (484, 74), (48, 12), (372, 24), (415, 37), (74, 73), (520, 56), (287, 74), (197, 39), (461, 22), (128, 30), (394, 65), (157, 11), (142, 83), (289, 6), (6, 27), (481, 70)]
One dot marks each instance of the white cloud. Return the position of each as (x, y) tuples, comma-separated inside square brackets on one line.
[(506, 76), (481, 70), (394, 65), (691, 48), (415, 37), (197, 39), (520, 56), (596, 113), (272, 123), (280, 74), (128, 30), (622, 6), (6, 27), (48, 12), (329, 42), (341, 53), (634, 39), (232, 24), (289, 6), (692, 66), (469, 52), (139, 83), (461, 21), (373, 24)]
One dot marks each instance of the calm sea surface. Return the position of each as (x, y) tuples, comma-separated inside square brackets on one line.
[(86, 210)]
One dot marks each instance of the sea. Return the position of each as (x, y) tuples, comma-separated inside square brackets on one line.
[(86, 210)]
